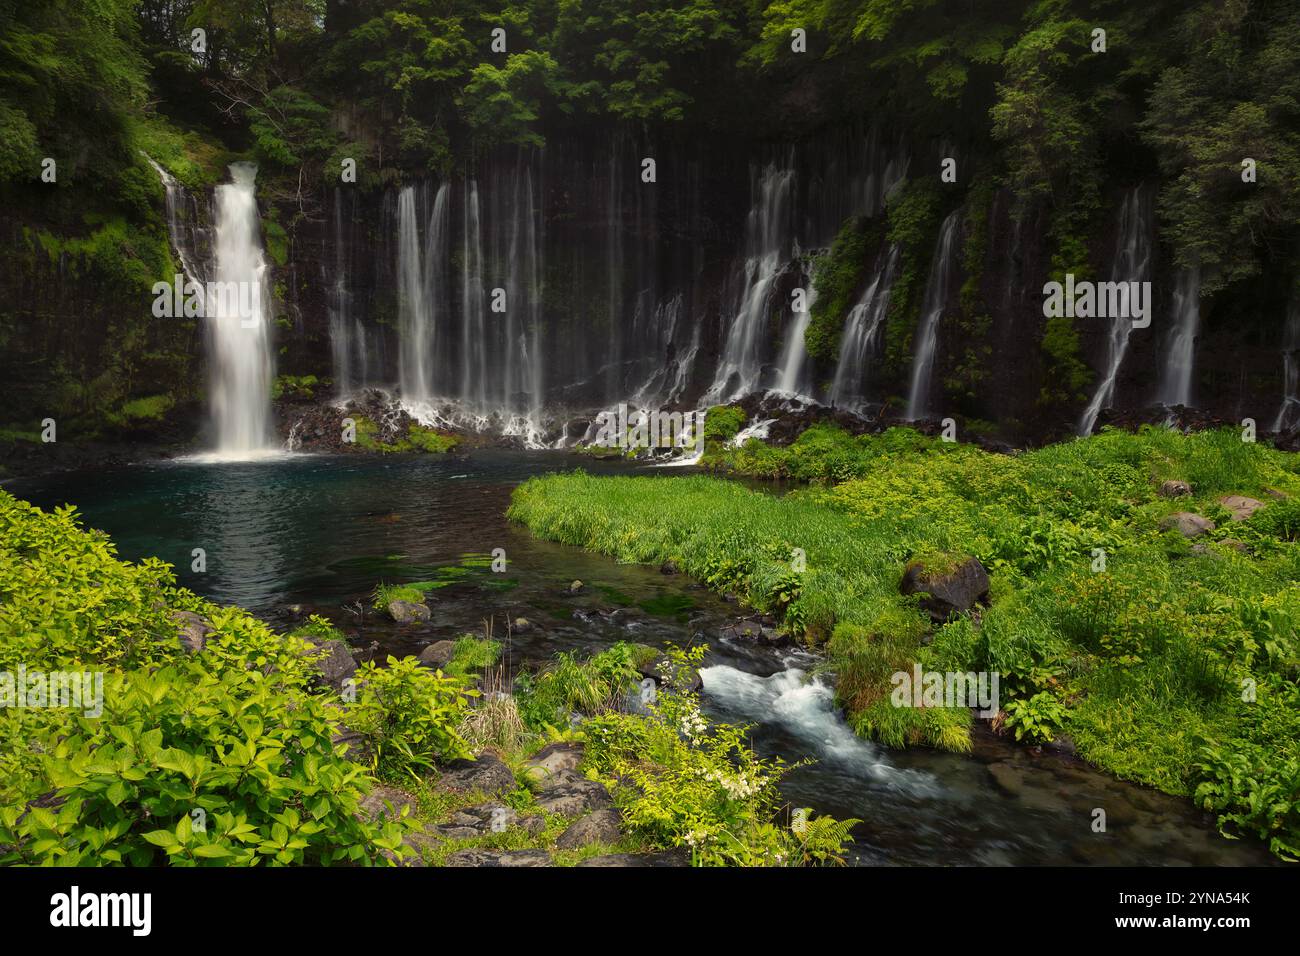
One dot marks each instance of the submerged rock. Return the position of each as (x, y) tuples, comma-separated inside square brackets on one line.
[(947, 592)]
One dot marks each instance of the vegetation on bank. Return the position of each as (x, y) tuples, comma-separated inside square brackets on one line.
[(1168, 661), (234, 752), (418, 438)]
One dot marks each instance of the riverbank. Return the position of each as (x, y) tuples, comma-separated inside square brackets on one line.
[(199, 735), (1140, 603)]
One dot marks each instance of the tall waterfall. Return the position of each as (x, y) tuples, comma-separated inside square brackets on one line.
[(344, 329), (1288, 416), (859, 340), (240, 343), (1180, 348), (1130, 263), (932, 308), (767, 243)]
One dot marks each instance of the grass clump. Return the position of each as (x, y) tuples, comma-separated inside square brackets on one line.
[(417, 438)]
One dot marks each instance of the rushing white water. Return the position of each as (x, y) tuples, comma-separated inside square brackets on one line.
[(758, 429), (1130, 263), (1180, 349), (926, 339), (795, 368), (473, 357), (412, 305), (241, 367), (805, 708), (768, 244), (859, 340), (342, 348), (1288, 416)]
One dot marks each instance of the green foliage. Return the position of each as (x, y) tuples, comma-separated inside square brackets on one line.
[(418, 438), (722, 422), (386, 594), (295, 386), (233, 737), (680, 781), (471, 653), (836, 279), (408, 715), (1132, 661)]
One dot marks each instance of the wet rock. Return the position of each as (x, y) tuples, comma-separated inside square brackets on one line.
[(437, 654), (638, 699), (1009, 778), (755, 630), (384, 802), (408, 612), (575, 587), (297, 611), (194, 630), (1174, 489), (522, 625), (334, 666), (650, 668), (1241, 507), (570, 794), (482, 857), (1187, 523), (668, 567), (552, 759), (947, 593), (677, 857), (487, 774), (601, 826)]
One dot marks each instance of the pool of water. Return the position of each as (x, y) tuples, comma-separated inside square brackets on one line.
[(321, 531)]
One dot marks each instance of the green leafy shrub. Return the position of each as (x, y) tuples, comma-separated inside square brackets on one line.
[(408, 715)]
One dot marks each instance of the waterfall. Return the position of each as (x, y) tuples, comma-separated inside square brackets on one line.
[(674, 361), (861, 333), (767, 239), (1180, 352), (932, 308), (346, 379), (795, 373), (417, 290), (473, 359), (182, 229), (1288, 416), (1130, 263), (240, 344)]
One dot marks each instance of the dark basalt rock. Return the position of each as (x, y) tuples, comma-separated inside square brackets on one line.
[(945, 594), (480, 857), (601, 826), (438, 654), (487, 774), (570, 794), (336, 665), (678, 857)]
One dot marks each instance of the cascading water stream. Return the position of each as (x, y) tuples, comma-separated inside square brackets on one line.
[(473, 356), (238, 331), (1288, 416), (861, 333), (1180, 352), (1131, 263), (795, 373), (767, 240), (932, 308)]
